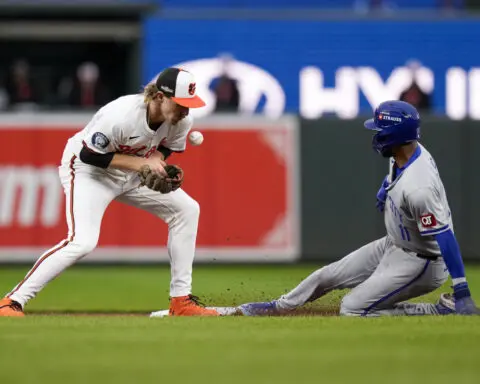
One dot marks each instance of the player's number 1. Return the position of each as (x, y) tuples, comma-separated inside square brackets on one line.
[(404, 232)]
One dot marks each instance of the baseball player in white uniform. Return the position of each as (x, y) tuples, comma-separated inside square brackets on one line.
[(419, 249), (101, 163)]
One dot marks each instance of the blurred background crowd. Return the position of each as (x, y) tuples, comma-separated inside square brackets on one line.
[(86, 64)]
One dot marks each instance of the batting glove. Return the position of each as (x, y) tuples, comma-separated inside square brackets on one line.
[(464, 304)]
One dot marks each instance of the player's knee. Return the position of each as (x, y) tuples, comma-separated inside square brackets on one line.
[(83, 247), (191, 209), (351, 306), (186, 214)]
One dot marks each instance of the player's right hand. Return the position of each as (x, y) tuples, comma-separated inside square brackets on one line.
[(382, 195), (156, 165)]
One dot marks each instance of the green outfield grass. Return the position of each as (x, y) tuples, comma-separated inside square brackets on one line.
[(135, 349)]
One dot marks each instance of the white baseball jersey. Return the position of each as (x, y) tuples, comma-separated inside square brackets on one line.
[(121, 127), (417, 208)]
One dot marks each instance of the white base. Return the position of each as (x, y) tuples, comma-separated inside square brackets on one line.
[(223, 311)]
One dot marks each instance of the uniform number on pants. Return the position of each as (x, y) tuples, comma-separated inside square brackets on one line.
[(404, 232)]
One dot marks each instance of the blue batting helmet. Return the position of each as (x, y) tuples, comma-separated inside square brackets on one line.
[(396, 123)]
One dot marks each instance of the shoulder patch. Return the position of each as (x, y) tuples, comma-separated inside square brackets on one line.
[(428, 220), (99, 140)]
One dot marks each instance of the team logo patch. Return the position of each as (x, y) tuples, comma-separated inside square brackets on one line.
[(428, 220), (191, 88), (99, 140)]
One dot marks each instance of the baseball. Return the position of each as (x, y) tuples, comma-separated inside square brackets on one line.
[(195, 138)]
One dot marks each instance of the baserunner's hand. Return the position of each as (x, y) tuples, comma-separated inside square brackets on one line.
[(464, 304)]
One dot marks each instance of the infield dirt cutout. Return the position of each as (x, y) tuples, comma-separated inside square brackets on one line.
[(308, 312)]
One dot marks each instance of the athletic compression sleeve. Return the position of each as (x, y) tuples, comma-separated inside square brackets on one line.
[(101, 160), (164, 151)]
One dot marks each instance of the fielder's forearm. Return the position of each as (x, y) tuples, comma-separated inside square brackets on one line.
[(126, 162), (115, 160), (111, 160)]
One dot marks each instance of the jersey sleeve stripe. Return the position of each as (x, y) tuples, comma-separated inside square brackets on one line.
[(435, 231)]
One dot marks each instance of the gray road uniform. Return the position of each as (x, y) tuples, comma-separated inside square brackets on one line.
[(404, 264)]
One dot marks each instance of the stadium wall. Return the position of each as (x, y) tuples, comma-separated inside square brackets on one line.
[(341, 176), (304, 189)]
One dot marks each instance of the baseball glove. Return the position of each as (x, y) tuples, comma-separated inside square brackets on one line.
[(162, 183)]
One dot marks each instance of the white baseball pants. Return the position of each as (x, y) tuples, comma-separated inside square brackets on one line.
[(88, 192)]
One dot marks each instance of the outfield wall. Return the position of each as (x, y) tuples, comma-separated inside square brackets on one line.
[(244, 176), (275, 190), (341, 176)]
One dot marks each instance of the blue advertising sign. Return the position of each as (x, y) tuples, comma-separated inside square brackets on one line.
[(76, 2), (324, 67), (312, 4)]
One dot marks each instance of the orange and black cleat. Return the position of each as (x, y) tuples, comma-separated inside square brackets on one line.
[(189, 306), (10, 308)]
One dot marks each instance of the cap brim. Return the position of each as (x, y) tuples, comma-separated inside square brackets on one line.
[(370, 124), (189, 102)]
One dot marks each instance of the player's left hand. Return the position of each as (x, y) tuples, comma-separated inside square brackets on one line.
[(466, 306), (382, 195), (175, 173), (161, 183)]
